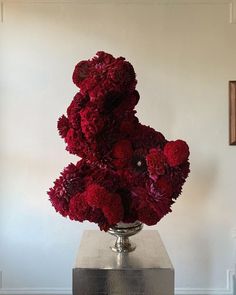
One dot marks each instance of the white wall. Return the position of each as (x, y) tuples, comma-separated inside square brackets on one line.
[(184, 54)]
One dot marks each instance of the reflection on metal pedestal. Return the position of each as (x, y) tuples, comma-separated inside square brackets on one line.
[(147, 270)]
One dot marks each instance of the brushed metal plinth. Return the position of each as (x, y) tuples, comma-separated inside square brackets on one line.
[(98, 270)]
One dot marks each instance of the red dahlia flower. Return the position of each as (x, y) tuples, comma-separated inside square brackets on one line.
[(66, 186)]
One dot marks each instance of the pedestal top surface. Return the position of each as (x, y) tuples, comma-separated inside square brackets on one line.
[(94, 252)]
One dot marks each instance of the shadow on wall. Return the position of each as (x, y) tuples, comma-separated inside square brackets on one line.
[(204, 172)]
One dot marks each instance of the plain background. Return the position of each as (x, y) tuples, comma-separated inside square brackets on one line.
[(184, 54)]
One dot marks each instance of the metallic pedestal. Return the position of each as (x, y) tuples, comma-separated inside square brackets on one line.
[(98, 270)]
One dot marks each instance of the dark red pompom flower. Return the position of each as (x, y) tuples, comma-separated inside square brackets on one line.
[(176, 152)]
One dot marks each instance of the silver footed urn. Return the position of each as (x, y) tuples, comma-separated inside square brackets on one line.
[(122, 232)]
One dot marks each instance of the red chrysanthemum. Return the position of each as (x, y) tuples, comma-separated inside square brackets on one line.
[(176, 152), (66, 186), (63, 126)]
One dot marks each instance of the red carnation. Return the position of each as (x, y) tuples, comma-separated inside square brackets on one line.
[(97, 196), (127, 127), (141, 204), (106, 178), (178, 178), (102, 57), (122, 152), (139, 197), (147, 138), (127, 104), (122, 73), (80, 72), (148, 216), (164, 187), (176, 152), (110, 203), (114, 212), (156, 163), (77, 145), (79, 102), (91, 122), (79, 209), (104, 74)]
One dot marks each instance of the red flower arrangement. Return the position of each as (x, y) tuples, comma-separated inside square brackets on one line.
[(128, 171)]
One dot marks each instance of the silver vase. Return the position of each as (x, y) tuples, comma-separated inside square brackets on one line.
[(122, 232)]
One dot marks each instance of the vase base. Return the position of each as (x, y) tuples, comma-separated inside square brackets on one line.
[(124, 249), (122, 232)]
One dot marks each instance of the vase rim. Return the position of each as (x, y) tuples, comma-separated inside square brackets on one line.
[(127, 225)]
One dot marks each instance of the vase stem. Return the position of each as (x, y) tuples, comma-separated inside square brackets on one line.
[(122, 232), (123, 244)]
